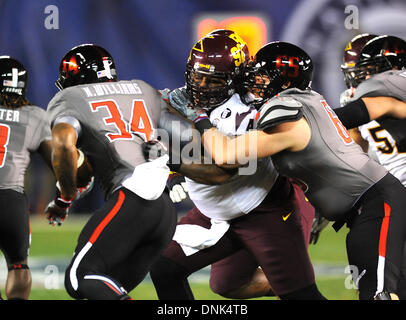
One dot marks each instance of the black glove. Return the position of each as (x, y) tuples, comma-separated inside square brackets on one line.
[(57, 210), (154, 149), (319, 223)]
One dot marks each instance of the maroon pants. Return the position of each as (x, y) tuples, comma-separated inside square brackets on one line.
[(270, 236), (225, 276)]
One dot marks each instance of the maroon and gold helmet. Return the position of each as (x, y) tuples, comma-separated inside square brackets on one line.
[(232, 34), (213, 69), (351, 56)]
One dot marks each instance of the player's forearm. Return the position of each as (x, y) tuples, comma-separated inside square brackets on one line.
[(397, 108), (64, 159), (225, 150), (206, 173)]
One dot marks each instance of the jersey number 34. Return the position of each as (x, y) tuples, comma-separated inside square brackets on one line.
[(140, 121)]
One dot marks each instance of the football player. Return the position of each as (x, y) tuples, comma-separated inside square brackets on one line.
[(24, 129), (259, 212), (109, 120), (384, 137), (306, 140)]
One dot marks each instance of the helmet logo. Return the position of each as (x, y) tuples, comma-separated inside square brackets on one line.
[(286, 64), (238, 54), (348, 47), (71, 65), (198, 47)]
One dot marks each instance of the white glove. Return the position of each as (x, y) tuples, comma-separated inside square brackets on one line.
[(178, 193), (346, 96)]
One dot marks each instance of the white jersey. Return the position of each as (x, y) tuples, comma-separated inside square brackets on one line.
[(382, 144), (242, 193)]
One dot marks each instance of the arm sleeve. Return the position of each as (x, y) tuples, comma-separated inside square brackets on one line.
[(354, 114)]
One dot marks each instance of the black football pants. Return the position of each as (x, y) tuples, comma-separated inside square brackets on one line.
[(118, 245)]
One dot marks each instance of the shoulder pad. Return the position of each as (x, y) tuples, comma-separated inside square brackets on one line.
[(372, 87), (278, 110)]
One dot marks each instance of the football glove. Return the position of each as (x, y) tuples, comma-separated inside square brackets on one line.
[(346, 96), (177, 187), (179, 100), (165, 93), (319, 223), (153, 149), (57, 210)]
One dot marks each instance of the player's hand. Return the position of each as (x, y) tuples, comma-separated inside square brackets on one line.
[(153, 149), (319, 223), (346, 96), (177, 187), (179, 100), (165, 93), (57, 210)]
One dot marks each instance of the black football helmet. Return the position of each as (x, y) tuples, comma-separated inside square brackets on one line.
[(215, 63), (13, 76), (380, 54), (280, 65), (352, 53), (86, 63)]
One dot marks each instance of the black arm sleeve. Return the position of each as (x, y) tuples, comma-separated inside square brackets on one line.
[(354, 114)]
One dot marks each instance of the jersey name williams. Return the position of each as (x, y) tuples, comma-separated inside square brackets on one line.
[(9, 115), (104, 89)]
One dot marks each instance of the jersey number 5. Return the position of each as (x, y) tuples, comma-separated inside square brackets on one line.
[(341, 130), (140, 121)]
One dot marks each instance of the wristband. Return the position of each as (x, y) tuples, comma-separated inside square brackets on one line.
[(61, 201)]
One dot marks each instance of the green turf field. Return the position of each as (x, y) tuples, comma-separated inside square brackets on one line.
[(51, 244)]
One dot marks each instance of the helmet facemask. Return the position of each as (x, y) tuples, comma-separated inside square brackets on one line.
[(366, 68), (208, 90), (260, 84)]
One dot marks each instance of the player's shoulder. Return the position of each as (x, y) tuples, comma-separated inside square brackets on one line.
[(144, 86), (32, 108), (379, 84), (67, 94), (282, 108)]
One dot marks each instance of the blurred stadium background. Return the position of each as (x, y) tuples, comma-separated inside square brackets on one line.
[(150, 40)]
